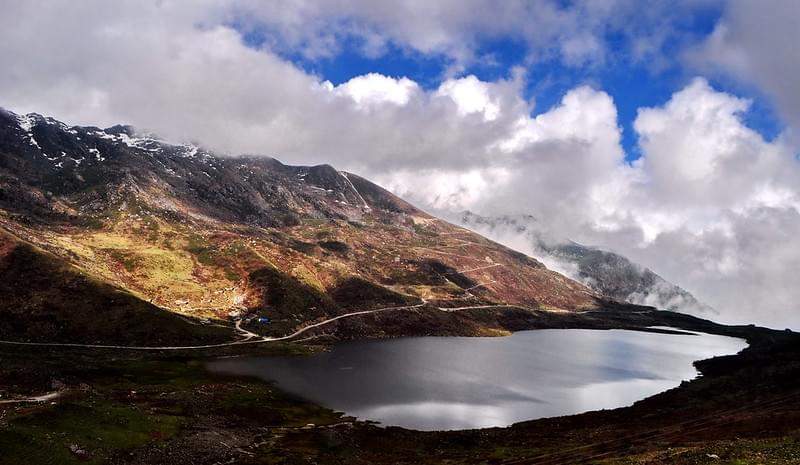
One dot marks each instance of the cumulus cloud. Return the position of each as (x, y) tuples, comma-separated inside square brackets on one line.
[(756, 43), (152, 66), (711, 205), (558, 165), (376, 89)]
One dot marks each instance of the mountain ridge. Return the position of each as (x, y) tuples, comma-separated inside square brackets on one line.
[(607, 272), (235, 238)]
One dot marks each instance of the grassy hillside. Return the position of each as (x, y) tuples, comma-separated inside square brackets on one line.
[(46, 299), (228, 238)]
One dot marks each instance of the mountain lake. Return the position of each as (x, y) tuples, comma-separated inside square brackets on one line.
[(451, 383)]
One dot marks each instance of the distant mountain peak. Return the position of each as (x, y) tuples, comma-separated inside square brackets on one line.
[(607, 272)]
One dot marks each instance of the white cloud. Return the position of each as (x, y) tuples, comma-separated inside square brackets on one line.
[(374, 88), (756, 43), (445, 189), (711, 206), (699, 152), (470, 96), (716, 205)]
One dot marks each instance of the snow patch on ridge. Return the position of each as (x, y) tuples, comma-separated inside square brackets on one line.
[(96, 154), (26, 122)]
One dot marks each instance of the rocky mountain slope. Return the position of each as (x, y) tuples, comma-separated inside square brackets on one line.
[(110, 235), (608, 273)]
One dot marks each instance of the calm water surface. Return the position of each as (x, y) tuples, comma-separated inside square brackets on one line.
[(434, 383)]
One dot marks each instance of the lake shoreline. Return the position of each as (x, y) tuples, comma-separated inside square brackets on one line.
[(455, 383), (733, 399)]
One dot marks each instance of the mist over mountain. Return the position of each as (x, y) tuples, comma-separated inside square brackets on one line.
[(607, 272)]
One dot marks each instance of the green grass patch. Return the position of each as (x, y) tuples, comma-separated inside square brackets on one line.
[(98, 427), (203, 251), (285, 295), (302, 247), (128, 260), (271, 407)]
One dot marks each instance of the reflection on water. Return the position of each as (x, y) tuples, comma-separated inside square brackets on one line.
[(463, 382)]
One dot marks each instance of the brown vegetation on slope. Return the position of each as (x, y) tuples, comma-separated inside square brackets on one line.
[(47, 300)]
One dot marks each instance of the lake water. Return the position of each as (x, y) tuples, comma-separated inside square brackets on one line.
[(445, 383)]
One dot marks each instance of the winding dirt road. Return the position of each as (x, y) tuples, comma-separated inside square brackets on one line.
[(249, 337)]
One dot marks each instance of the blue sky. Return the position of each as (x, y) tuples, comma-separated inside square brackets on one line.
[(631, 83)]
